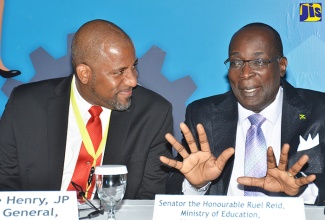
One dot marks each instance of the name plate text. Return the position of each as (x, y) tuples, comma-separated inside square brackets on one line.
[(38, 205), (182, 207)]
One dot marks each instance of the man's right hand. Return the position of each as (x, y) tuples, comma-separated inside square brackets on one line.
[(199, 166)]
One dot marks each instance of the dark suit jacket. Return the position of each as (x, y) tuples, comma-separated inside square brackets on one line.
[(33, 132), (219, 116)]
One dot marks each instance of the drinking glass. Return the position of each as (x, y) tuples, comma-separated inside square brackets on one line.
[(111, 184)]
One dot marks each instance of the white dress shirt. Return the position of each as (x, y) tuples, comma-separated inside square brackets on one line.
[(74, 138), (272, 132)]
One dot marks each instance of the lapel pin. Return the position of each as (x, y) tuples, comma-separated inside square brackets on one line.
[(302, 117)]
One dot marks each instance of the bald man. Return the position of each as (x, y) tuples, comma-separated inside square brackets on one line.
[(44, 127)]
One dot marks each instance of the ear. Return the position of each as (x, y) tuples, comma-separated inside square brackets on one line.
[(283, 66), (84, 73)]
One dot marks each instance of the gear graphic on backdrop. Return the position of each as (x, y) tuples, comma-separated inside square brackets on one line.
[(150, 76), (177, 92)]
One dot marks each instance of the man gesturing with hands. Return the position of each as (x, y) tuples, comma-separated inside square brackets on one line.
[(277, 131)]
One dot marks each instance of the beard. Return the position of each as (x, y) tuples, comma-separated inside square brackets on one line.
[(116, 105), (113, 104)]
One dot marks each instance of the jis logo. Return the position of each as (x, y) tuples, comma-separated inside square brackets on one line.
[(310, 12)]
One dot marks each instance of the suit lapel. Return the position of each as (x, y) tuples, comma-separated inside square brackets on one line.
[(119, 126), (57, 115), (224, 124), (294, 115)]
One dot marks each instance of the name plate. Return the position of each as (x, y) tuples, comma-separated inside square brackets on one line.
[(182, 207), (38, 205)]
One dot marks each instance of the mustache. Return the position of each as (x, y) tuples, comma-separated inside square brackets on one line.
[(126, 89)]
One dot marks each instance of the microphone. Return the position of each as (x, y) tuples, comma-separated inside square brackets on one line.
[(93, 214), (82, 194)]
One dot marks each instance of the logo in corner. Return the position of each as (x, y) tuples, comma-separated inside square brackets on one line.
[(310, 12)]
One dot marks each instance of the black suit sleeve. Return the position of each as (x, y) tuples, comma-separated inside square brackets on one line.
[(176, 178), (320, 183), (155, 174), (9, 174)]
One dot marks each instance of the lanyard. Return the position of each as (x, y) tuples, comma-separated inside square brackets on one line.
[(84, 133)]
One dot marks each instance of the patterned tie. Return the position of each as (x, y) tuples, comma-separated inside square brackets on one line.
[(85, 161), (255, 153)]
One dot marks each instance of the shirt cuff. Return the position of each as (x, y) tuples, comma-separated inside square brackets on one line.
[(310, 194), (188, 189)]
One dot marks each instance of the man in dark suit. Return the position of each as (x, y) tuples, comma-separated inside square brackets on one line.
[(294, 117), (40, 140)]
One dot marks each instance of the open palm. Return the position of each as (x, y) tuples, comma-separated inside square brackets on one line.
[(199, 166), (278, 178)]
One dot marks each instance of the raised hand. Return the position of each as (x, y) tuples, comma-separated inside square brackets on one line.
[(199, 166), (278, 178)]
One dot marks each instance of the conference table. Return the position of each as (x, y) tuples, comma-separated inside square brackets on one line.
[(143, 210)]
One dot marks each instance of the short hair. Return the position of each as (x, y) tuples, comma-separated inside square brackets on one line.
[(87, 41), (277, 42)]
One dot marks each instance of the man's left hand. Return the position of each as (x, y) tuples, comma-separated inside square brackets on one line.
[(277, 178)]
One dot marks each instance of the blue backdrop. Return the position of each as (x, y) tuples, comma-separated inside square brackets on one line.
[(188, 39)]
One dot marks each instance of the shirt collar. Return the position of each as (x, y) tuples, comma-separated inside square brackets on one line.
[(271, 112), (82, 104)]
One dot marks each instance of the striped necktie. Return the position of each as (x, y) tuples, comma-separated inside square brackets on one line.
[(255, 153)]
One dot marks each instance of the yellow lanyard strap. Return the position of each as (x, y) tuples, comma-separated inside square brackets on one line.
[(84, 133)]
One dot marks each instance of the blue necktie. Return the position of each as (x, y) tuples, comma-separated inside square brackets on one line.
[(255, 153)]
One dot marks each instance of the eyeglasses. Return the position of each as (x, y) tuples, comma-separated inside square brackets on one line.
[(253, 64), (82, 194)]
